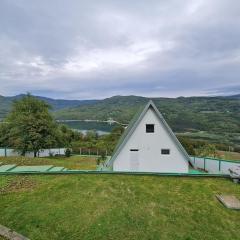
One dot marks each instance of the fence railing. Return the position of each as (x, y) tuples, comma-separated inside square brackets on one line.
[(214, 165), (91, 151), (10, 152)]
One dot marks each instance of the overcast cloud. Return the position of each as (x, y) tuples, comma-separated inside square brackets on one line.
[(79, 49)]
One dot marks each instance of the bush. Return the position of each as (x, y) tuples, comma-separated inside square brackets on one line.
[(102, 158), (67, 152)]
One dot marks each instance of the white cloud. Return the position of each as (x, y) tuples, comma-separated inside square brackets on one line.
[(95, 49)]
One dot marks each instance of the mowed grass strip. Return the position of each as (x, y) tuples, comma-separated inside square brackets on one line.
[(229, 155), (73, 162), (119, 207)]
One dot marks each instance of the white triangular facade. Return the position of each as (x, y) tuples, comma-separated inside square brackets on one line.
[(154, 151)]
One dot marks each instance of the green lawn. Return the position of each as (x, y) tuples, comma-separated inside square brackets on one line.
[(117, 207), (229, 155), (114, 206), (73, 162)]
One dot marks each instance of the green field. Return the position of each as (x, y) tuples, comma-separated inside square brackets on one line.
[(73, 162), (229, 155), (115, 206)]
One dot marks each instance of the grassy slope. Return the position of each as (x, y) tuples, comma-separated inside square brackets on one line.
[(229, 155), (74, 162), (117, 207), (114, 206)]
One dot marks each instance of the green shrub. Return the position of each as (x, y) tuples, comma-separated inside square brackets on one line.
[(67, 152)]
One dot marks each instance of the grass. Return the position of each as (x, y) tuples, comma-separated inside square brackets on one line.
[(118, 207), (73, 162), (229, 155), (115, 206)]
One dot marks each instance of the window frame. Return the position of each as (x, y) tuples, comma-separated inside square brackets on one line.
[(146, 128), (165, 151)]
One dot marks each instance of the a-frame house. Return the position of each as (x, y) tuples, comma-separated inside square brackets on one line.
[(149, 145)]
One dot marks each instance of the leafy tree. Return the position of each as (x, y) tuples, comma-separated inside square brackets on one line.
[(4, 134), (208, 150), (68, 152), (30, 127), (187, 144)]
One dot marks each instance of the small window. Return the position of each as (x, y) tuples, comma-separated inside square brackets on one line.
[(165, 151), (134, 150), (149, 128)]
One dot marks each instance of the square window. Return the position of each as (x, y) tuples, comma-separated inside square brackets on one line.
[(149, 128), (165, 151)]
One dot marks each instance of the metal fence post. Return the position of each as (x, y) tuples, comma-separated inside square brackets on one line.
[(204, 164), (5, 151), (219, 166)]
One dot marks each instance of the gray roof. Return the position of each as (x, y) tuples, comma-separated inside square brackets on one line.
[(133, 125)]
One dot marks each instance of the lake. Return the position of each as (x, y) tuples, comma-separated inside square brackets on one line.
[(82, 126)]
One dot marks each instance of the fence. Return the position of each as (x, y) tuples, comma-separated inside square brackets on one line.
[(91, 151), (214, 165), (9, 152)]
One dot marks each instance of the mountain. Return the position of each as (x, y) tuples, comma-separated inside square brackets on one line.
[(211, 114), (237, 96), (212, 119), (202, 113), (56, 104)]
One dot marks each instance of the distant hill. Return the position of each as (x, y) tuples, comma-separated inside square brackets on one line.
[(237, 96), (217, 116), (6, 102), (212, 114)]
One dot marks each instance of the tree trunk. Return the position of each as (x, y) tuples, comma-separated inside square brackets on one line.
[(35, 153)]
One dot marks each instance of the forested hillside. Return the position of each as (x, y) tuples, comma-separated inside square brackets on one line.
[(56, 104), (214, 114), (211, 118)]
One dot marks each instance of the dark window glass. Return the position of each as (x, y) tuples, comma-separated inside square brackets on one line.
[(165, 151), (149, 128), (133, 150)]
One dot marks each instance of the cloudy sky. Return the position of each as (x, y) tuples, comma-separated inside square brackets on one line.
[(79, 49)]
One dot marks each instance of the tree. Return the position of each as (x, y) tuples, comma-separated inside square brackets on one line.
[(187, 144), (30, 127), (208, 150)]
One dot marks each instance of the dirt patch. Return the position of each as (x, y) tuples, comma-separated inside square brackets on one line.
[(18, 184)]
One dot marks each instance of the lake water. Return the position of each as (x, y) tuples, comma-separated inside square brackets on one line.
[(81, 126)]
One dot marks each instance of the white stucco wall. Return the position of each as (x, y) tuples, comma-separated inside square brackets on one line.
[(150, 145)]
